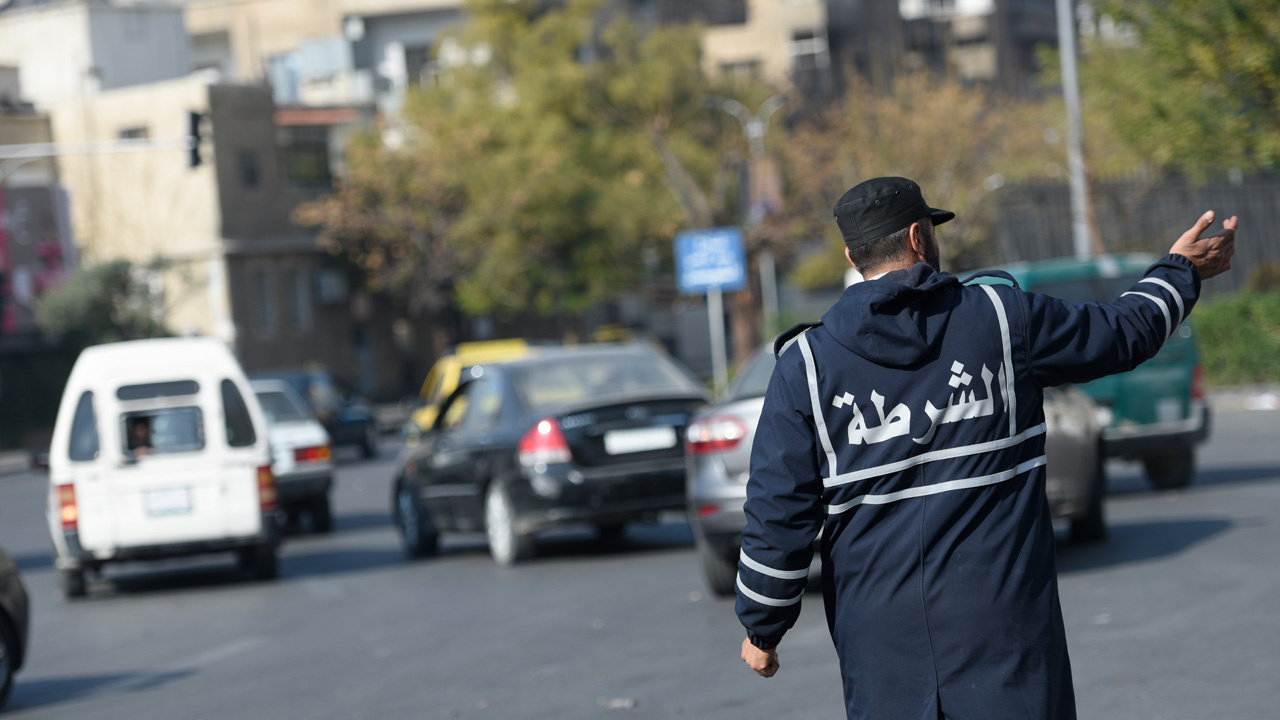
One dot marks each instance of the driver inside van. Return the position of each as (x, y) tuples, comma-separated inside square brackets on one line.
[(139, 436)]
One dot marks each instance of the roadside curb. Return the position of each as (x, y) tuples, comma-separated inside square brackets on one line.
[(1245, 397), (14, 461)]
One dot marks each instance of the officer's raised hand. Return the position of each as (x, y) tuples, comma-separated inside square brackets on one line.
[(1211, 255)]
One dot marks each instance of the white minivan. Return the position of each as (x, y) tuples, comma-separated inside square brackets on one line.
[(159, 450)]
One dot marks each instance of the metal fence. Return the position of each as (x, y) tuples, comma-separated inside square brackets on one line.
[(1145, 216)]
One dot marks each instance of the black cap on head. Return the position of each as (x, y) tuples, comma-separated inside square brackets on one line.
[(880, 207)]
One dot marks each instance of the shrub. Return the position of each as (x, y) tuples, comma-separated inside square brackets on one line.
[(1240, 338)]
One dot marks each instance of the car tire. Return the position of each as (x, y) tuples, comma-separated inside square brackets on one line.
[(1091, 527), (506, 545), (1170, 471), (8, 660), (369, 443), (260, 562), (321, 515), (721, 572), (417, 534), (72, 583)]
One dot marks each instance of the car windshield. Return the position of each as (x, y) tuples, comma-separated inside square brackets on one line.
[(566, 380), (1086, 289), (753, 379), (279, 407)]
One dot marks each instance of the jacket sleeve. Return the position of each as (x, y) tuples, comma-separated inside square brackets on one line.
[(783, 508), (1077, 343)]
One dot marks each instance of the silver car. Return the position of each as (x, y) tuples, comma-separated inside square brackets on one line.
[(718, 458)]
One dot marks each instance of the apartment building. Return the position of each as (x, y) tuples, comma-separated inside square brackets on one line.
[(212, 230), (36, 248)]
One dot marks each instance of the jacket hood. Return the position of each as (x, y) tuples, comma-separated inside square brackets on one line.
[(896, 320)]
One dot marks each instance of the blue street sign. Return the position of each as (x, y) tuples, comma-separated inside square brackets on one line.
[(710, 259)]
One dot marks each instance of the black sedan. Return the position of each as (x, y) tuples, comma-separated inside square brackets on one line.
[(13, 624), (586, 435)]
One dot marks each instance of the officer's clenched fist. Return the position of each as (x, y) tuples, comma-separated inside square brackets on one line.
[(764, 662)]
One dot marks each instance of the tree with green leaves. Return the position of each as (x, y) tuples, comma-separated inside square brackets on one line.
[(961, 143), (1193, 85), (549, 155), (101, 303)]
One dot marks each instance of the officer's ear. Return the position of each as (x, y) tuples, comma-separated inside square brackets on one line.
[(849, 257), (917, 243)]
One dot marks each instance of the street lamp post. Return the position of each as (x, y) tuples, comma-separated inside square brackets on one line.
[(754, 126)]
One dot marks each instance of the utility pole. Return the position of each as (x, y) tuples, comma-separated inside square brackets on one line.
[(1080, 234)]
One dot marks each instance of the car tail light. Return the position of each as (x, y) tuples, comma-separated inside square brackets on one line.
[(544, 444), (708, 510), (266, 489), (714, 434), (1197, 383), (312, 454), (68, 513)]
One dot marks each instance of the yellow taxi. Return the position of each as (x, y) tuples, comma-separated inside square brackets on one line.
[(445, 374)]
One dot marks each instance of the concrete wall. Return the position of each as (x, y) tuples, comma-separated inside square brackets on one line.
[(70, 50), (149, 207), (260, 29), (50, 47)]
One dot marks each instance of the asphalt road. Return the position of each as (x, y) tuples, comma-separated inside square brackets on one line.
[(1170, 618)]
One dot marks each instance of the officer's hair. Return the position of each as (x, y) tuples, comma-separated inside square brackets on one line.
[(887, 249)]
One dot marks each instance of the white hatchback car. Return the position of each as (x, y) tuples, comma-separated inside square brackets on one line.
[(301, 456)]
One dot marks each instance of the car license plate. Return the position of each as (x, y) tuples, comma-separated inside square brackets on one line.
[(1169, 410), (621, 442), (170, 501)]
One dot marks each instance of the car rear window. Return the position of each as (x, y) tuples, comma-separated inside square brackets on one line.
[(146, 391), (753, 379), (279, 407), (84, 430), (164, 430), (239, 424), (566, 380)]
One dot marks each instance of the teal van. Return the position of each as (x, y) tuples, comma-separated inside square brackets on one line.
[(1155, 413)]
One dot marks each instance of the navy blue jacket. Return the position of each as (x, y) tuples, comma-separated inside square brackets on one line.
[(906, 428)]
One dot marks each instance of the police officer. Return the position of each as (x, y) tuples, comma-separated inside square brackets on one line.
[(906, 429)]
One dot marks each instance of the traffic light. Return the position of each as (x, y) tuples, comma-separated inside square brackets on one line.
[(193, 137)]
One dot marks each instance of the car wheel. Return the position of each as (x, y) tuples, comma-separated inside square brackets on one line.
[(369, 445), (1171, 471), (8, 661), (721, 572), (321, 515), (260, 562), (505, 545), (416, 532), (72, 583), (1091, 527)]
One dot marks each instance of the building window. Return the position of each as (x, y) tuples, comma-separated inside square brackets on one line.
[(742, 70), (808, 50), (301, 295), (264, 292), (304, 152), (250, 171), (420, 68), (134, 133)]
